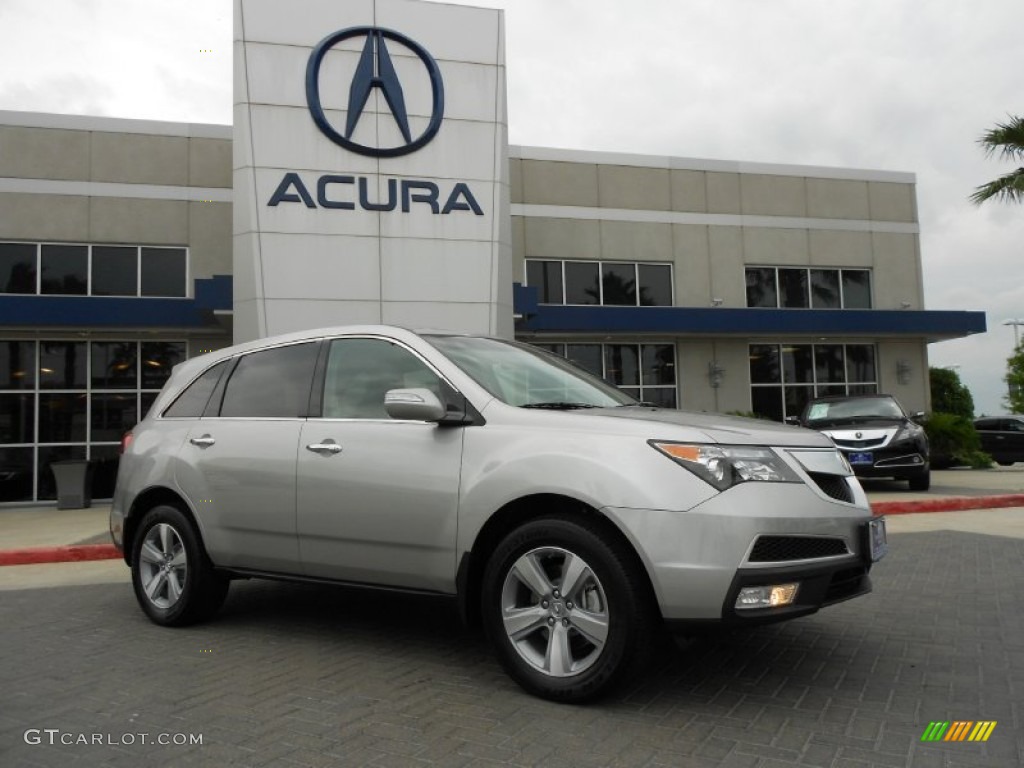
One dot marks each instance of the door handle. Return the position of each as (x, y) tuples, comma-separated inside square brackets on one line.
[(203, 442), (328, 446)]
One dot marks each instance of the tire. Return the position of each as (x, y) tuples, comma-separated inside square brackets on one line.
[(547, 641), (174, 581), (921, 482)]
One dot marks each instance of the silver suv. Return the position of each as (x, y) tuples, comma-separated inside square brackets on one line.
[(570, 520)]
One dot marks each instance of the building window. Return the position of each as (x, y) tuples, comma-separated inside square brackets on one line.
[(806, 288), (645, 371), (607, 283), (784, 377), (73, 400), (52, 269)]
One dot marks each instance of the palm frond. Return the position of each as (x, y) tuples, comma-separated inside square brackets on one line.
[(1006, 139), (1008, 188)]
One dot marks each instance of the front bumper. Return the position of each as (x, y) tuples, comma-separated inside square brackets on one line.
[(699, 559)]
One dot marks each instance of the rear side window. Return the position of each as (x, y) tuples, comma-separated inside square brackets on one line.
[(273, 383), (192, 402)]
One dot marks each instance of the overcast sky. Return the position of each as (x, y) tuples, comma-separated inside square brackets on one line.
[(900, 85)]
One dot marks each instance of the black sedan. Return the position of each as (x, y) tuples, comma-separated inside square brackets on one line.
[(879, 438)]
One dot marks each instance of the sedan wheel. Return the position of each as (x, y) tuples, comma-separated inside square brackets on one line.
[(163, 565)]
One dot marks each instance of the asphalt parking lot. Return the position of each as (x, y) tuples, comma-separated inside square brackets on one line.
[(315, 676)]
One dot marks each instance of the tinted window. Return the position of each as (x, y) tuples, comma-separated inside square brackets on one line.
[(825, 288), (114, 364), (112, 415), (546, 277), (361, 371), (793, 288), (158, 358), (581, 283), (619, 284), (274, 383), (655, 281), (62, 364), (65, 269), (163, 271), (17, 364), (192, 402), (761, 287), (856, 289), (17, 268), (115, 271)]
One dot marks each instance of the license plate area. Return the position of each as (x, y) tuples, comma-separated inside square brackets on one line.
[(877, 543), (861, 459)]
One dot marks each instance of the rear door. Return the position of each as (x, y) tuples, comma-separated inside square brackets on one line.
[(237, 464), (378, 498)]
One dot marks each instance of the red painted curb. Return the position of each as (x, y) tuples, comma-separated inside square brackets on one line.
[(69, 554), (948, 504)]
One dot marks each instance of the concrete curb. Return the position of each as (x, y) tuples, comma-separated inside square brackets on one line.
[(69, 554), (948, 504)]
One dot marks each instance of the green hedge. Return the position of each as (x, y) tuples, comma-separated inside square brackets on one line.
[(954, 441)]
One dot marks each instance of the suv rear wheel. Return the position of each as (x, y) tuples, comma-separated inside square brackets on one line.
[(567, 610), (174, 581)]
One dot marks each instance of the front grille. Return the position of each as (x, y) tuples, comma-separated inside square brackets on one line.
[(859, 444), (775, 549), (833, 486)]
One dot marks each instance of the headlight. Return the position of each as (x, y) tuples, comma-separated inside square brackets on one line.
[(723, 466), (908, 432)]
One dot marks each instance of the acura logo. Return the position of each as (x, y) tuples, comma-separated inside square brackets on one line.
[(374, 70)]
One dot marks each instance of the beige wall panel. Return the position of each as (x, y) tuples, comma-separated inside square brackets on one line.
[(44, 217), (775, 246), (556, 183), (562, 238), (209, 239), (695, 393), (726, 257), (518, 249), (689, 191), (692, 267), (734, 357), (125, 220), (892, 202), (896, 277), (515, 177), (832, 248), (644, 189), (723, 191), (137, 159), (765, 195), (837, 199), (40, 153), (633, 241), (209, 163), (915, 394)]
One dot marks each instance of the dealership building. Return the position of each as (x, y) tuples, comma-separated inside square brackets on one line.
[(367, 178)]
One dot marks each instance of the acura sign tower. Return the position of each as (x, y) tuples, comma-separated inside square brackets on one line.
[(370, 166)]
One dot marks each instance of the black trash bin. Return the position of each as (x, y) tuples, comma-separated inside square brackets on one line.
[(74, 483)]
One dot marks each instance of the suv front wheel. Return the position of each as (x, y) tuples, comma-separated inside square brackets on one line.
[(567, 609), (174, 581)]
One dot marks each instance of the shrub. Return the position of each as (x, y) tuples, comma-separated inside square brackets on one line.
[(953, 440)]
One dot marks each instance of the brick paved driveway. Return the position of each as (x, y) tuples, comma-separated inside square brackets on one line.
[(312, 676)]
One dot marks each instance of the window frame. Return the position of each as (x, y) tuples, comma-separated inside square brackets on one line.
[(808, 270), (599, 267)]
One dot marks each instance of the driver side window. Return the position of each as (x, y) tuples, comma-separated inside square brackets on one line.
[(361, 371)]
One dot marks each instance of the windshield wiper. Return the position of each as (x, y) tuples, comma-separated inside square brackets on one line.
[(559, 406)]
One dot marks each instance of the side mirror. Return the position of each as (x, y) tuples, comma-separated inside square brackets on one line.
[(413, 405), (917, 417)]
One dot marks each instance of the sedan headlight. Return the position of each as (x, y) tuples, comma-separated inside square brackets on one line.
[(723, 466), (909, 431)]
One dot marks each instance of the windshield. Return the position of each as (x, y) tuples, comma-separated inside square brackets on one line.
[(521, 375), (868, 408)]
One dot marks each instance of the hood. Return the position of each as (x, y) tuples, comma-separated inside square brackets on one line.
[(861, 422), (719, 428)]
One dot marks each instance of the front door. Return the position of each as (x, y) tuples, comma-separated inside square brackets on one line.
[(377, 498)]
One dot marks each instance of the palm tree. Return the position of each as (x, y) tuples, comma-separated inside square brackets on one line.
[(1007, 141)]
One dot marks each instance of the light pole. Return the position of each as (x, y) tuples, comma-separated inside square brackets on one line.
[(1016, 323)]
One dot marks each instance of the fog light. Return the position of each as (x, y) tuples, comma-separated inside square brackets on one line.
[(767, 597)]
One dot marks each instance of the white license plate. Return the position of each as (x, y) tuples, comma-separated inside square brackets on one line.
[(878, 544)]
